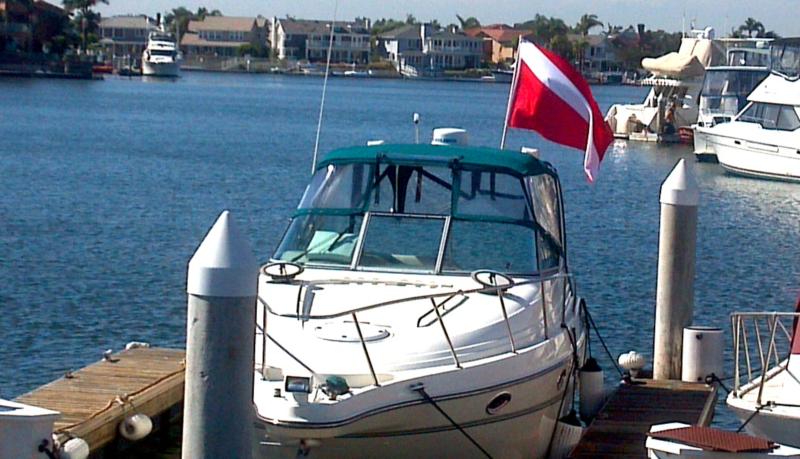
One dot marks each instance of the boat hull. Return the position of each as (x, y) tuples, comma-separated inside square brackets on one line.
[(756, 159), (160, 69), (415, 428), (703, 149), (767, 423)]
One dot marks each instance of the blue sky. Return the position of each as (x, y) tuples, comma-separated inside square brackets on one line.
[(777, 15)]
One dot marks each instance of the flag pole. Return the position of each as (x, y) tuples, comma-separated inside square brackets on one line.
[(511, 91)]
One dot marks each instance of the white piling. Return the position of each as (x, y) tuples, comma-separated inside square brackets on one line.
[(218, 409), (676, 267)]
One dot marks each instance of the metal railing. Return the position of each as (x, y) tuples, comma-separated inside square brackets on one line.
[(444, 298), (764, 339)]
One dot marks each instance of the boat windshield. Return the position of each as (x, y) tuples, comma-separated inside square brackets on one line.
[(161, 52), (725, 91), (427, 219), (785, 57)]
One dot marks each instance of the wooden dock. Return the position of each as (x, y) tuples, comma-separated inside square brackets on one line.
[(620, 429), (94, 400)]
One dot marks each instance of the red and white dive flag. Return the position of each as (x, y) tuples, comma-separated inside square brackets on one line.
[(551, 98)]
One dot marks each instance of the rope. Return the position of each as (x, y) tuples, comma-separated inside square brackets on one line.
[(324, 87), (749, 418), (421, 390), (712, 378), (602, 341), (118, 400)]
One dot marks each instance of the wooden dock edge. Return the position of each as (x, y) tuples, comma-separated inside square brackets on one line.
[(96, 398)]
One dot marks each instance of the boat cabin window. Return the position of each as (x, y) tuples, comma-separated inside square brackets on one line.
[(161, 52), (726, 91), (492, 194), (785, 58), (771, 116), (396, 217), (399, 242)]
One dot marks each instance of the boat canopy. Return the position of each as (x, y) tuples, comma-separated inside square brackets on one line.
[(441, 155), (785, 57), (694, 55), (428, 209)]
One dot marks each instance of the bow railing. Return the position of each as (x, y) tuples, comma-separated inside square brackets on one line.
[(438, 302), (762, 343)]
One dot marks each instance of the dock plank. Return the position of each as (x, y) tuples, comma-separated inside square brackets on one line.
[(98, 397), (621, 427)]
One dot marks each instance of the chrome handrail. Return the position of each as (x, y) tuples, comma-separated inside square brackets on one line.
[(772, 335), (496, 289)]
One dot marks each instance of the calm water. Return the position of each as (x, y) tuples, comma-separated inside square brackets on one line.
[(107, 187)]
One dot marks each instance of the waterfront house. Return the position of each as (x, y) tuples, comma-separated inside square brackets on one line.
[(421, 48), (29, 26), (223, 36), (598, 53), (499, 42), (305, 39), (126, 35)]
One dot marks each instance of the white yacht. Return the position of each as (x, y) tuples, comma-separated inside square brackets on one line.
[(676, 80), (161, 55), (763, 140), (726, 87), (766, 391), (419, 305)]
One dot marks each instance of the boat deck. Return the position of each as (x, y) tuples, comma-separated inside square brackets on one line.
[(620, 429), (94, 400)]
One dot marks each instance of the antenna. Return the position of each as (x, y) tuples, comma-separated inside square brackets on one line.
[(324, 88), (416, 120)]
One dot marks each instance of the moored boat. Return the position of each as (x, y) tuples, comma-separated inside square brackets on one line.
[(726, 87), (419, 305), (675, 81), (766, 391), (763, 140), (161, 55)]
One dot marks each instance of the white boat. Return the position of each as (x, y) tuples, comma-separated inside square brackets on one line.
[(726, 87), (419, 305), (766, 392), (665, 448), (161, 56), (763, 140), (675, 81), (24, 428)]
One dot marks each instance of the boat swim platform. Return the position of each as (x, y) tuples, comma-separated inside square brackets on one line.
[(620, 428), (95, 399)]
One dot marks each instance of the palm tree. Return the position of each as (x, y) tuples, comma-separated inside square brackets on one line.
[(587, 22), (752, 25), (468, 23), (86, 19)]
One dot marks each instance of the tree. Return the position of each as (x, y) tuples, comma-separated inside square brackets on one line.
[(179, 19), (86, 20), (587, 23), (468, 23), (410, 19), (752, 25)]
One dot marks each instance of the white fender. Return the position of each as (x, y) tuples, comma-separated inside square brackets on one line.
[(75, 448), (136, 427)]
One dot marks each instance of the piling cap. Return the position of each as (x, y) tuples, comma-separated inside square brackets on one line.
[(224, 264), (680, 187)]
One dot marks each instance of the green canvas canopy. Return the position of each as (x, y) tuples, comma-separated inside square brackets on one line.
[(509, 161)]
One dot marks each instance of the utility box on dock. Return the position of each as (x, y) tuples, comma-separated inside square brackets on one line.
[(702, 353)]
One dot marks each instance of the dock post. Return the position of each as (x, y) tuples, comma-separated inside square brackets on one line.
[(218, 411), (676, 267)]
